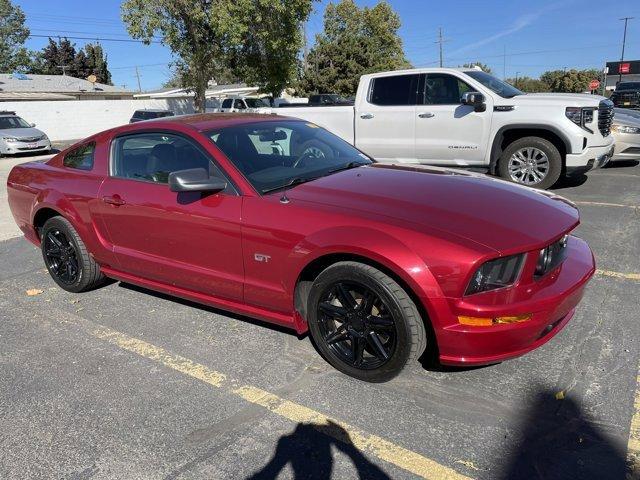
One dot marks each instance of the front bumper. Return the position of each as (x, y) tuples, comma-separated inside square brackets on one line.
[(551, 301), (590, 158), (627, 147), (12, 148)]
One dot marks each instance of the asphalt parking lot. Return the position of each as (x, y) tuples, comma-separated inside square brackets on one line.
[(125, 383)]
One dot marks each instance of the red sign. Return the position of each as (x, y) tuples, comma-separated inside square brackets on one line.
[(624, 67), (594, 84)]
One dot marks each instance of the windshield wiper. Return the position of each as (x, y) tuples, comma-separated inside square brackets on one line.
[(291, 183), (347, 166)]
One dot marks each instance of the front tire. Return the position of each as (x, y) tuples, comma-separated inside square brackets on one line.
[(66, 257), (363, 322), (531, 161)]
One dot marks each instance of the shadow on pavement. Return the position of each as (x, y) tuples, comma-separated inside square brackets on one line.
[(569, 181), (308, 451), (622, 164), (561, 443)]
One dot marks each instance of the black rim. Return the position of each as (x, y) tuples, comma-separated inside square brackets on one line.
[(356, 325), (61, 255)]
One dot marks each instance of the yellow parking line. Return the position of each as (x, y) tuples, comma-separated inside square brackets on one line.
[(383, 449), (605, 204), (626, 276), (633, 446)]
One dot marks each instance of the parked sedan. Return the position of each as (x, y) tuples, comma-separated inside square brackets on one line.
[(626, 132), (19, 136), (379, 262)]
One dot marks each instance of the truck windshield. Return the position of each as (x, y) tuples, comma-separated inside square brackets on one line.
[(628, 86), (278, 154), (256, 103), (494, 84), (12, 122)]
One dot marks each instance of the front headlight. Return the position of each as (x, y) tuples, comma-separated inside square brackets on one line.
[(498, 273), (10, 139), (580, 116), (550, 257), (624, 129)]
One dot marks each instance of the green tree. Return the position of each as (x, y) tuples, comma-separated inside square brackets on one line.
[(483, 66), (96, 63), (355, 41), (529, 85), (570, 81), (13, 33), (56, 55), (268, 57), (203, 35)]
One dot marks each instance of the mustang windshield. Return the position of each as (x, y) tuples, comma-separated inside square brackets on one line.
[(277, 154), (495, 84)]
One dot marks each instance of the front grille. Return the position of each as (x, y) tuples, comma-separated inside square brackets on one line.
[(29, 139), (605, 117)]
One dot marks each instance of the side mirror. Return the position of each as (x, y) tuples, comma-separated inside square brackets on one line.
[(475, 100), (195, 180), (32, 124)]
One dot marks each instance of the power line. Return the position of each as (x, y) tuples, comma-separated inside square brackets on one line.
[(97, 39)]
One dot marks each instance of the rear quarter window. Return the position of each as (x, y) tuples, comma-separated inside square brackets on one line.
[(80, 158)]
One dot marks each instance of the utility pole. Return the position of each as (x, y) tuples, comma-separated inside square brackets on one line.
[(138, 77), (624, 41), (305, 50), (504, 63), (516, 82), (441, 41)]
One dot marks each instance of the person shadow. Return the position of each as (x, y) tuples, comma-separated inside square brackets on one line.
[(560, 442), (308, 450)]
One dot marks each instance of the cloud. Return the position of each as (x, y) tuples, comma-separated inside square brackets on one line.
[(520, 23)]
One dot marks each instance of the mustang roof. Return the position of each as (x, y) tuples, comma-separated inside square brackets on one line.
[(208, 121)]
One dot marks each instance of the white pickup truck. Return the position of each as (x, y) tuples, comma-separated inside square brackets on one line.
[(467, 117)]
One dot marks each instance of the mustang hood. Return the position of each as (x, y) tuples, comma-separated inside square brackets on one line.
[(505, 217)]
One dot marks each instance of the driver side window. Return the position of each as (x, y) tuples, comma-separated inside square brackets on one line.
[(152, 156), (443, 89)]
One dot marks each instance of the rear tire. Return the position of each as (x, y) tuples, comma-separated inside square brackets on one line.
[(531, 161), (66, 257), (363, 322)]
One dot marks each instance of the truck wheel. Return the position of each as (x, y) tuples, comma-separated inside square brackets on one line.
[(531, 161), (67, 258), (363, 322)]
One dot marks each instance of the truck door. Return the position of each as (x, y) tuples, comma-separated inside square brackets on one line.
[(448, 132), (386, 118)]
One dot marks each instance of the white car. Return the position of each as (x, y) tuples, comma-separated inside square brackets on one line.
[(19, 136), (469, 118), (626, 131)]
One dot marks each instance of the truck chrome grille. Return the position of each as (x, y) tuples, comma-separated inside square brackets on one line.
[(605, 117)]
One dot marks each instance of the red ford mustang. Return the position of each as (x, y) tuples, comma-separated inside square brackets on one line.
[(278, 219)]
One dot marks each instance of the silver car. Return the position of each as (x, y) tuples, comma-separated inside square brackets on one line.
[(626, 132), (18, 136)]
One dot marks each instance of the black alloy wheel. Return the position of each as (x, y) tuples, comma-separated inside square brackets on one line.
[(67, 258), (61, 256), (363, 322), (357, 325)]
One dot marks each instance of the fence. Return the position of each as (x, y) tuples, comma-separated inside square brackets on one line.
[(75, 119)]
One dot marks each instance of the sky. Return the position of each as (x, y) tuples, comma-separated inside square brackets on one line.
[(513, 37)]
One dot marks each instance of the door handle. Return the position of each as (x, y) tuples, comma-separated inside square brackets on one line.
[(426, 115), (366, 116), (116, 201)]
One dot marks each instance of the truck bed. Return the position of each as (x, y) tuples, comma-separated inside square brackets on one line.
[(339, 120)]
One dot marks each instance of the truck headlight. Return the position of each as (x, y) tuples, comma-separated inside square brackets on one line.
[(580, 116), (625, 129), (498, 273)]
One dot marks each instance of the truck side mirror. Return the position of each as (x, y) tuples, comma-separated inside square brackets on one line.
[(475, 100)]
